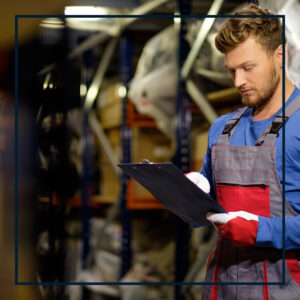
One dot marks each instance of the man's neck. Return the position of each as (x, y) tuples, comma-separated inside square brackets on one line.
[(275, 103)]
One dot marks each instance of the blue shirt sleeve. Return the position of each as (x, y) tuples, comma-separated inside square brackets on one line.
[(269, 233)]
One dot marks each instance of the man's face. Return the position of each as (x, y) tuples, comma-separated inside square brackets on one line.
[(254, 72)]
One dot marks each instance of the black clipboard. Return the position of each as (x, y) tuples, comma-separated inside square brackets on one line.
[(174, 190)]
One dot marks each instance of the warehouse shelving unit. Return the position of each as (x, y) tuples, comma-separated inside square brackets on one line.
[(130, 119)]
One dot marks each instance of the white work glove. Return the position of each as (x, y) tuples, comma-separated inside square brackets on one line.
[(223, 218), (199, 180)]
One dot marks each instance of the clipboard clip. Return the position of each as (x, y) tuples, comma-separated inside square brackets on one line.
[(146, 161)]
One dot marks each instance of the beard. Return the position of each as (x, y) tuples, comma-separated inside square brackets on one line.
[(265, 94)]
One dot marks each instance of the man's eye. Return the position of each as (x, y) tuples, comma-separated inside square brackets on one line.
[(248, 68)]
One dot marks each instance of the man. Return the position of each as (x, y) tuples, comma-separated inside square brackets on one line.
[(244, 165)]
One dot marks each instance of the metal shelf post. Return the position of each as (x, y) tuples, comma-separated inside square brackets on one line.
[(87, 68), (125, 76), (182, 156)]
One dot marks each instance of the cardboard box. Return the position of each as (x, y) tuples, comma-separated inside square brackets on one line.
[(109, 181), (110, 106), (146, 143), (198, 147)]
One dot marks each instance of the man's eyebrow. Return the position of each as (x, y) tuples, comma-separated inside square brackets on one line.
[(240, 65)]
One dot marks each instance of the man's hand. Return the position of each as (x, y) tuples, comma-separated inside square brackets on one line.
[(240, 226), (199, 180)]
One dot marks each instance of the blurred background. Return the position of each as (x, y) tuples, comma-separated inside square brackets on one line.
[(91, 92)]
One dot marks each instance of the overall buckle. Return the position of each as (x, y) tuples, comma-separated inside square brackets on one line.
[(276, 125), (228, 127)]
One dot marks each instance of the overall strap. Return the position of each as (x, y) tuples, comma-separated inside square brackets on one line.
[(271, 133), (230, 127)]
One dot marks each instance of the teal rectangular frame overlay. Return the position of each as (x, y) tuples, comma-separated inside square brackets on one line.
[(17, 282)]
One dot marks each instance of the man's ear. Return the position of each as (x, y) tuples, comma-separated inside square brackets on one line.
[(278, 55)]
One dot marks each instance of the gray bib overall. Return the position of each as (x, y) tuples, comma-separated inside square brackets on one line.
[(245, 178)]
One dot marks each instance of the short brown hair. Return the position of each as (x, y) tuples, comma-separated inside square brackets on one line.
[(266, 31)]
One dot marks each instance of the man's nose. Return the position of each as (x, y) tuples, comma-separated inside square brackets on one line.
[(239, 78)]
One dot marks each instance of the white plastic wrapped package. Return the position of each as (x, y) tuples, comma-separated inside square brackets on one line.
[(291, 10), (154, 86), (209, 62)]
